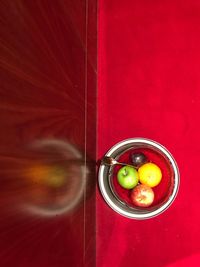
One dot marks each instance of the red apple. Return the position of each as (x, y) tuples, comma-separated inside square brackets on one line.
[(142, 195)]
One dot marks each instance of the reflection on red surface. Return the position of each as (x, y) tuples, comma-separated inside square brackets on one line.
[(47, 92), (55, 177)]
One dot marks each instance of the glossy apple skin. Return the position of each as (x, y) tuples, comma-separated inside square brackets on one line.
[(128, 177), (142, 196)]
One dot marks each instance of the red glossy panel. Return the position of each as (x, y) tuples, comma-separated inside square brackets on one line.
[(48, 88), (149, 87)]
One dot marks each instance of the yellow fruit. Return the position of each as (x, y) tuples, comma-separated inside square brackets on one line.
[(150, 174)]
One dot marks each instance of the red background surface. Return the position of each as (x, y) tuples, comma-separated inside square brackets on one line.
[(149, 82), (47, 92)]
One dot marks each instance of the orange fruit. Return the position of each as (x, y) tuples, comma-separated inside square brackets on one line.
[(150, 174)]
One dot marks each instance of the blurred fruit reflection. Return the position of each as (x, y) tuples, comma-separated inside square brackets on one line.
[(55, 178), (51, 176)]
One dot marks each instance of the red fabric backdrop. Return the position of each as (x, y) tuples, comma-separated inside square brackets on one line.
[(149, 86)]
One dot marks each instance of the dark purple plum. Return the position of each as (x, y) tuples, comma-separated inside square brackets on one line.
[(138, 159)]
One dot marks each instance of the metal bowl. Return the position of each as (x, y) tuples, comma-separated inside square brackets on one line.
[(108, 191)]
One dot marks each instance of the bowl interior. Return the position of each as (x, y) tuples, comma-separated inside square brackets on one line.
[(162, 191), (119, 199)]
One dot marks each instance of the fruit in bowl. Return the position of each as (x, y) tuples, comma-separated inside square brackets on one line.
[(139, 179), (138, 159), (150, 174), (128, 177), (142, 195), (119, 198)]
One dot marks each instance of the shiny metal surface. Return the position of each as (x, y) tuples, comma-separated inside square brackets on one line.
[(105, 173), (109, 161)]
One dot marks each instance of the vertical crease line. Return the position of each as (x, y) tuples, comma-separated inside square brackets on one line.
[(85, 155)]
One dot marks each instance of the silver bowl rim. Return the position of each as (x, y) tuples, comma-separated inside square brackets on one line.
[(131, 214)]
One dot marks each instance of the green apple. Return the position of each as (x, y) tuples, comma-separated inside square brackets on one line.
[(128, 177)]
